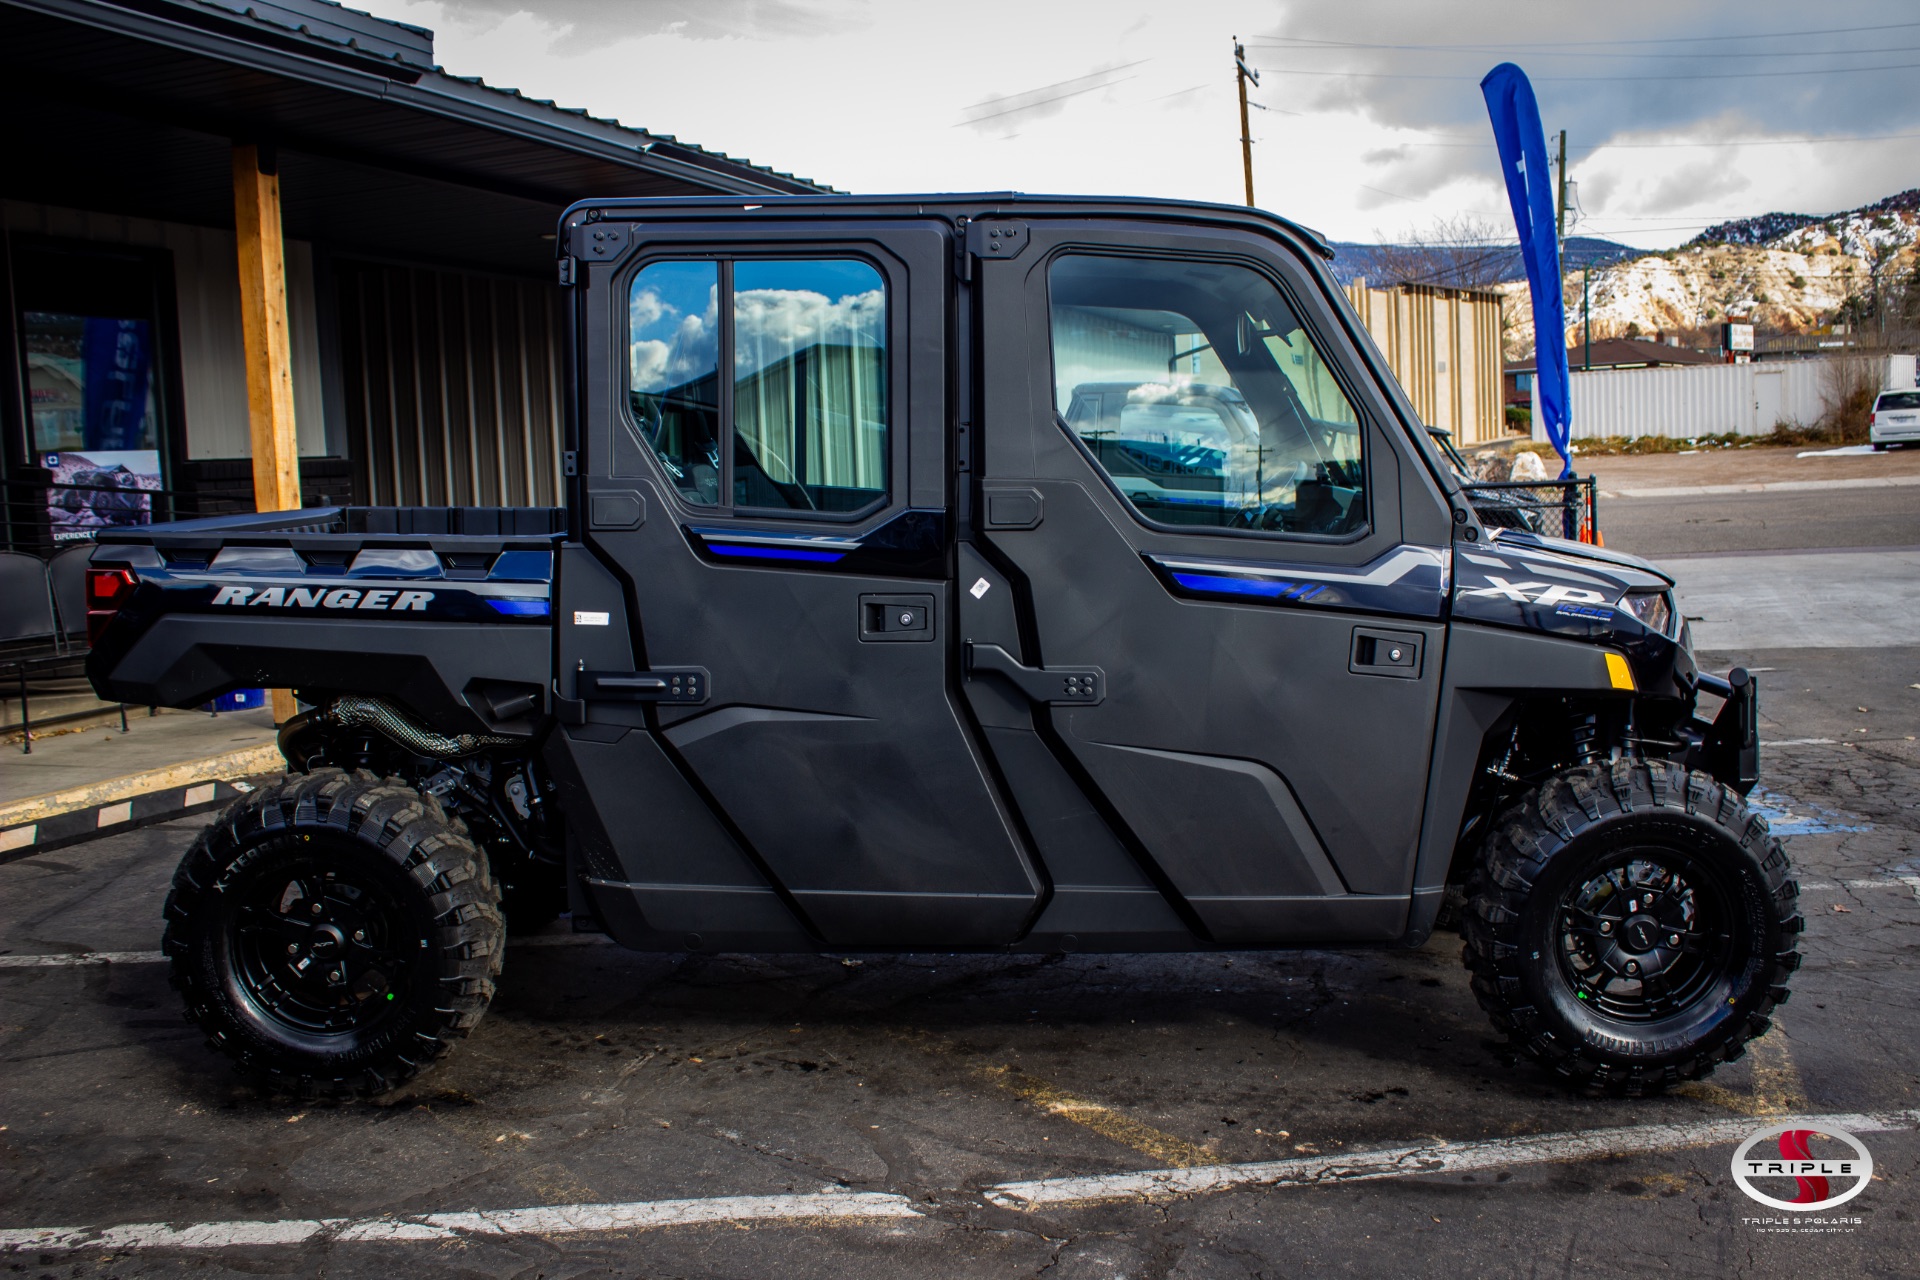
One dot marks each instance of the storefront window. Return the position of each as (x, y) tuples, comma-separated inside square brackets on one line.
[(90, 352)]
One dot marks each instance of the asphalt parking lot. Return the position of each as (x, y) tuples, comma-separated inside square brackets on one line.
[(1346, 1113)]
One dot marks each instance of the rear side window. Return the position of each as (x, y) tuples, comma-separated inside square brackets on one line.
[(809, 385), (791, 354), (1199, 392), (673, 350)]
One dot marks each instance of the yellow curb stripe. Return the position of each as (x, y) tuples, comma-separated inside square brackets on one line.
[(245, 763), (1174, 1153), (1777, 1087)]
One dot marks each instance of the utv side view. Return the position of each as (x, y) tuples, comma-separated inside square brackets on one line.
[(956, 573)]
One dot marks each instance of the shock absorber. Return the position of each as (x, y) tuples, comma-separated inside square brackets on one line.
[(1586, 737)]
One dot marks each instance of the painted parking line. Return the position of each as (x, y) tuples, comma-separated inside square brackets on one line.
[(1018, 1084), (1438, 1156), (824, 1207), (64, 959), (1765, 486), (840, 1207), (1115, 1126)]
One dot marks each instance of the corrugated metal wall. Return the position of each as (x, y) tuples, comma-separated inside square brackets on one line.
[(1686, 401), (452, 386), (1444, 347), (206, 279)]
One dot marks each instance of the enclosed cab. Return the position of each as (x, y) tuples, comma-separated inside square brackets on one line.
[(963, 573)]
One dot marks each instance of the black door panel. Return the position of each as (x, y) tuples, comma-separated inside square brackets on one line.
[(828, 741), (1274, 786)]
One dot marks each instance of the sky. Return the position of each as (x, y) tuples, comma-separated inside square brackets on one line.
[(1367, 122)]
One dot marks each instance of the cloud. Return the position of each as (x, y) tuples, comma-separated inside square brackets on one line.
[(595, 22), (687, 353), (771, 324)]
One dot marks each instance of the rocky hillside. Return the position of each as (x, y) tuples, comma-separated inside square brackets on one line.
[(1787, 271)]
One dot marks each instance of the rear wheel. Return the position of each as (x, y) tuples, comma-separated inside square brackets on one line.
[(1631, 926), (333, 934)]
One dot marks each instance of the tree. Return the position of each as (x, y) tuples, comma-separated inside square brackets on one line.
[(1464, 251)]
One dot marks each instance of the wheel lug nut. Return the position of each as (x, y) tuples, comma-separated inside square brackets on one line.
[(316, 908), (1633, 966), (1606, 926), (360, 935), (293, 948), (1673, 939), (334, 976)]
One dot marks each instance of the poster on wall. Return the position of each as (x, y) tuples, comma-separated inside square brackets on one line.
[(98, 489)]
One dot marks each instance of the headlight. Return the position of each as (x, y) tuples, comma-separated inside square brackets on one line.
[(1654, 609)]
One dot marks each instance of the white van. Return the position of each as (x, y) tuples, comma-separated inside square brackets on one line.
[(1895, 418)]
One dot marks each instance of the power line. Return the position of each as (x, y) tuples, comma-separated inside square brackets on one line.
[(1649, 146), (1571, 44), (1498, 49), (1714, 75)]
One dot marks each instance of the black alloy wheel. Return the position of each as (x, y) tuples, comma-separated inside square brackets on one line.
[(333, 934), (1647, 936), (321, 946), (1631, 926)]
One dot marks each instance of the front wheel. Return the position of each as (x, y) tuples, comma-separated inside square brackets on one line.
[(333, 933), (1631, 926)]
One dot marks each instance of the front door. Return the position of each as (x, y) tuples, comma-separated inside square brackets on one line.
[(769, 476), (1198, 505)]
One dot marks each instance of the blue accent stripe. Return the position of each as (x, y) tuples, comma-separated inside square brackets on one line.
[(521, 608), (774, 553), (1267, 588)]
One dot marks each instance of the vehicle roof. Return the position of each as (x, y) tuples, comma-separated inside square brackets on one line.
[(969, 204)]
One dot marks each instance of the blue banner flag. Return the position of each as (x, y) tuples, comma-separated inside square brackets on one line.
[(1523, 162)]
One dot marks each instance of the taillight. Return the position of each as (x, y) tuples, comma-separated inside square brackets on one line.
[(107, 590)]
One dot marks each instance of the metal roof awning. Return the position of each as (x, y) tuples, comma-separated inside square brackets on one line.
[(133, 107)]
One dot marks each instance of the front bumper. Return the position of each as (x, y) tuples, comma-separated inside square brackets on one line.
[(1729, 748)]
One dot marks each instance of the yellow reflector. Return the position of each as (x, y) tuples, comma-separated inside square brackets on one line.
[(1619, 672)]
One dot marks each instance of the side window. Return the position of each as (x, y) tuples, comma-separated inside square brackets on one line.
[(1200, 394), (804, 380), (674, 382), (809, 385)]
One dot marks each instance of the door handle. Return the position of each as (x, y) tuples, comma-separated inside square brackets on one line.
[(662, 684), (1068, 686), (1385, 653)]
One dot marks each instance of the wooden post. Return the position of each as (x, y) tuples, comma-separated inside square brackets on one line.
[(263, 325)]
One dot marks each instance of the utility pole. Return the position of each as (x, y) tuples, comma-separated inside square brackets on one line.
[(1560, 215), (1241, 74), (1586, 316)]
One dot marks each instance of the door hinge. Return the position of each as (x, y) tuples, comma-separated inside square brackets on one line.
[(996, 237), (569, 464), (566, 273)]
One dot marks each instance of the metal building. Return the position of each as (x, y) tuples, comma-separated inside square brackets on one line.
[(1443, 345), (231, 223)]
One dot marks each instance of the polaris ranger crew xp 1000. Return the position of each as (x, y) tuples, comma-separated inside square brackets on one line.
[(955, 573)]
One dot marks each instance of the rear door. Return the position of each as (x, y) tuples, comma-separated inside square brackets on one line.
[(1225, 630), (767, 462)]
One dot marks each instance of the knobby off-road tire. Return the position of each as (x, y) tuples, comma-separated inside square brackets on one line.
[(1631, 926), (333, 934)]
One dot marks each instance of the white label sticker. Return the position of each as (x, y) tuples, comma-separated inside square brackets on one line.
[(586, 618), (980, 588)]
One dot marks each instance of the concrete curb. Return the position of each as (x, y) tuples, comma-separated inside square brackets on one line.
[(247, 762), (77, 826), (40, 824)]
